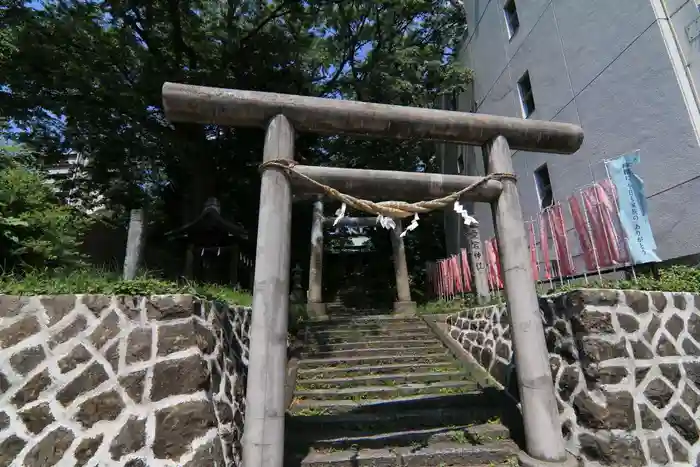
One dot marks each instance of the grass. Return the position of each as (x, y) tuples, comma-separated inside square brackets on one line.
[(439, 307), (96, 281), (676, 278)]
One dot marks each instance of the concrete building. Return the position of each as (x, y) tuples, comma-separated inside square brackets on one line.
[(625, 70), (66, 177)]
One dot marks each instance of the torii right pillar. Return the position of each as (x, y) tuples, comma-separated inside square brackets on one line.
[(403, 304), (545, 445)]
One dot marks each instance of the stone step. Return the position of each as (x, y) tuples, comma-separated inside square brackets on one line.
[(378, 328), (386, 392), (376, 360), (440, 454), (373, 439), (387, 344), (369, 320), (396, 351), (476, 399), (385, 379), (339, 310), (370, 423), (366, 370), (359, 337)]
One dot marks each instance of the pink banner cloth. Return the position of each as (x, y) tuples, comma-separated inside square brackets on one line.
[(494, 268), (499, 272), (582, 232), (466, 271), (544, 246), (598, 229), (445, 278), (608, 196), (533, 252), (556, 217), (456, 274)]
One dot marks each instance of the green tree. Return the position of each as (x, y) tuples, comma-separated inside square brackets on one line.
[(36, 230), (87, 76)]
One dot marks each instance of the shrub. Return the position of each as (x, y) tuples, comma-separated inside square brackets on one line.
[(35, 228), (95, 281), (671, 279)]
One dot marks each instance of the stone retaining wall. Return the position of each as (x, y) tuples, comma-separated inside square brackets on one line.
[(93, 380), (626, 369)]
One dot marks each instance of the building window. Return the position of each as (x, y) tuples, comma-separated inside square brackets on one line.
[(527, 100), (544, 187), (512, 20)]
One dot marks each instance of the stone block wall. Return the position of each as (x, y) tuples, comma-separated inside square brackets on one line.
[(94, 380), (625, 365)]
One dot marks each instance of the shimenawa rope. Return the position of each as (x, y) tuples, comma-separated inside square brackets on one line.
[(395, 209)]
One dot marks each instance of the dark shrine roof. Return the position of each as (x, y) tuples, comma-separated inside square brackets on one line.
[(209, 226)]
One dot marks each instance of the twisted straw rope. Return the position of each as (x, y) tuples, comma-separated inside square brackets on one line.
[(395, 209)]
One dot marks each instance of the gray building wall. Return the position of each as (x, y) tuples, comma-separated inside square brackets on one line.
[(606, 66)]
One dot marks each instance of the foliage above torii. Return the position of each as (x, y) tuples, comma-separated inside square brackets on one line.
[(87, 76)]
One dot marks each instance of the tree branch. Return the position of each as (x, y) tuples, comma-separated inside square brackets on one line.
[(276, 13)]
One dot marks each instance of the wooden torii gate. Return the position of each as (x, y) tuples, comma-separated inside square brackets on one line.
[(282, 115), (315, 305)]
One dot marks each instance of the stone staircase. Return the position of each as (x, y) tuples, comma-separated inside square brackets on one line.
[(382, 391)]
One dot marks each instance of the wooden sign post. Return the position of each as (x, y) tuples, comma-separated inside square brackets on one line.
[(134, 244), (478, 265)]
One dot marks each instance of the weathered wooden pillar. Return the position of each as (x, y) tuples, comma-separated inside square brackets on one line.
[(540, 415), (403, 304), (188, 271), (134, 244), (314, 304), (263, 437), (478, 265), (233, 266)]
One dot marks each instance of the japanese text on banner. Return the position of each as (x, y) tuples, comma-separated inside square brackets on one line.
[(634, 215)]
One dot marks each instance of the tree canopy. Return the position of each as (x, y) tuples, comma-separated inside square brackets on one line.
[(87, 75)]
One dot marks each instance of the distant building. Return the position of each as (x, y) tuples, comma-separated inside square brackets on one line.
[(627, 71), (67, 175)]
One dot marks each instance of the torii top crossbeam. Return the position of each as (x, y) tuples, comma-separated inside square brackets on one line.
[(198, 104)]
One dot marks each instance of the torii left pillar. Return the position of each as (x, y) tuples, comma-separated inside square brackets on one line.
[(314, 304), (403, 304)]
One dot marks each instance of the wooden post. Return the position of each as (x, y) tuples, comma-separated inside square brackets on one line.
[(233, 271), (478, 266), (403, 304), (134, 244), (540, 415), (315, 305), (263, 437), (188, 271)]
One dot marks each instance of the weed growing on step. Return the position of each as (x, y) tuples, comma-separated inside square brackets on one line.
[(310, 411), (459, 437)]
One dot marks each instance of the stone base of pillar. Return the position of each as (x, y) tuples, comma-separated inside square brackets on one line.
[(404, 308), (527, 461), (316, 311)]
